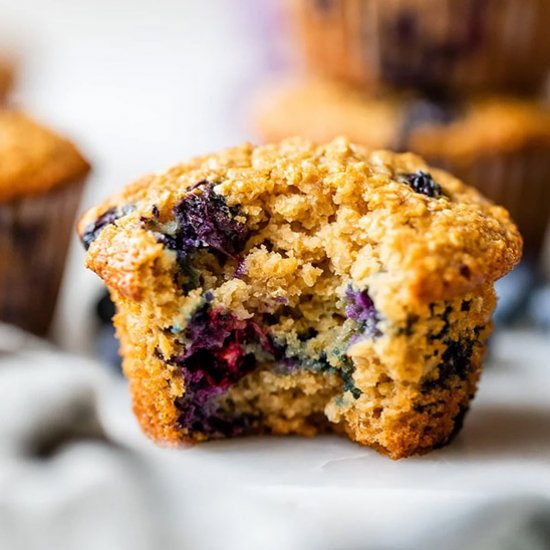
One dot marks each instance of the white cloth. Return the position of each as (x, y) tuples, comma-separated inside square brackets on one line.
[(75, 471)]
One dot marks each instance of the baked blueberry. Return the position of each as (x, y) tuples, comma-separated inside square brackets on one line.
[(423, 183), (110, 216)]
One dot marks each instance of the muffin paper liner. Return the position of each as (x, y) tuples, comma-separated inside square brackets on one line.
[(35, 233), (429, 44), (518, 181)]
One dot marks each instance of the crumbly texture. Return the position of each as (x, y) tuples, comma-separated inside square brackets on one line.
[(499, 144), (460, 131), (33, 159), (455, 45), (296, 288)]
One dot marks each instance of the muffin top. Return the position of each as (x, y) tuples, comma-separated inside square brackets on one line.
[(453, 130), (34, 159), (294, 211)]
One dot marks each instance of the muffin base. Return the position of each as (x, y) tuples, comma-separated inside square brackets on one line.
[(398, 415), (34, 240)]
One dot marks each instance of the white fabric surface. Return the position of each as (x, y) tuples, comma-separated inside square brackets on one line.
[(76, 472)]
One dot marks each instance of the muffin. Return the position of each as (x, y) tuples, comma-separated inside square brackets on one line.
[(296, 288), (499, 144), (460, 45), (6, 77), (41, 178)]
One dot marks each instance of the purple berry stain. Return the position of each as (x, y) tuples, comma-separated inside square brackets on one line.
[(92, 231), (221, 350), (423, 183), (203, 221), (361, 308), (455, 362)]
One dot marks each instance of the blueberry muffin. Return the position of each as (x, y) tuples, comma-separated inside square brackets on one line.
[(462, 45), (296, 288), (41, 178), (499, 144)]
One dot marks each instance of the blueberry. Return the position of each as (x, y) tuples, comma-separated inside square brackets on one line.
[(220, 351), (105, 309), (346, 373), (361, 309), (92, 231), (106, 344), (539, 307), (240, 272), (203, 220), (423, 183)]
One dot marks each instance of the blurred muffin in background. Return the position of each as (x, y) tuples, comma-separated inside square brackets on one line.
[(460, 45), (7, 73), (41, 179), (499, 144)]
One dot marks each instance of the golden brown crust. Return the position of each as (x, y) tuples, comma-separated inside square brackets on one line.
[(153, 401), (429, 245), (120, 260), (429, 420), (34, 159)]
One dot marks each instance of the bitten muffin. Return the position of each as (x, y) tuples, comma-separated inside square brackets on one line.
[(499, 144), (460, 45), (295, 288), (41, 178)]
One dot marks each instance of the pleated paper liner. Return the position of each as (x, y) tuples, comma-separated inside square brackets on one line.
[(35, 233), (446, 45)]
